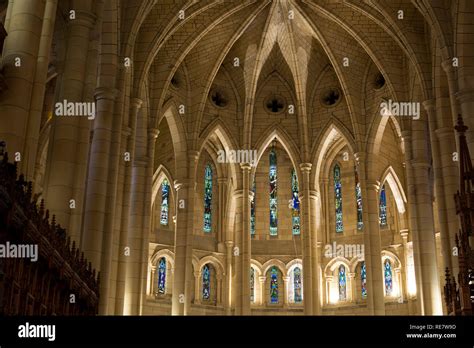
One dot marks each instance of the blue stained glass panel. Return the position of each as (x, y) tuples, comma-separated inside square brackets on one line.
[(252, 210), (162, 276), (273, 194), (297, 285), (252, 284), (206, 283), (360, 223), (295, 204), (363, 280), (342, 283), (338, 198), (388, 277), (383, 207), (165, 194), (274, 285), (208, 199)]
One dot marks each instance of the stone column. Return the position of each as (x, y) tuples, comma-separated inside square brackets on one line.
[(127, 145), (375, 272), (307, 239), (219, 289), (327, 293), (426, 239), (246, 240), (19, 61), (228, 277), (421, 225), (439, 184), (262, 280), (315, 211), (404, 235), (97, 183), (237, 276), (197, 286), (151, 280), (450, 174), (372, 244), (39, 87), (286, 281), (66, 171), (184, 234), (352, 286), (222, 188), (448, 68)]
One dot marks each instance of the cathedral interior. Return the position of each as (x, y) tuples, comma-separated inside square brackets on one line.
[(224, 157)]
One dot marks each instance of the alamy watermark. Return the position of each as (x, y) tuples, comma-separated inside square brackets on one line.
[(237, 156), (66, 108), (344, 250), (23, 251), (392, 108), (37, 331)]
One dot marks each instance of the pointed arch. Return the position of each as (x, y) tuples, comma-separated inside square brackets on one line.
[(334, 263), (377, 130), (178, 130), (331, 132), (160, 175), (277, 263), (158, 254), (391, 177), (222, 132), (219, 267), (285, 140)]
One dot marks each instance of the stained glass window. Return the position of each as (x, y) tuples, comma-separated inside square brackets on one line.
[(274, 285), (363, 280), (383, 207), (208, 199), (342, 283), (162, 276), (295, 204), (388, 277), (252, 211), (273, 194), (338, 198), (206, 283), (165, 194), (252, 284), (297, 284), (360, 223)]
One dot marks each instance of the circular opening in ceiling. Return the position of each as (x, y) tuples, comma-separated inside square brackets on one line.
[(275, 104), (218, 98), (379, 81), (331, 97)]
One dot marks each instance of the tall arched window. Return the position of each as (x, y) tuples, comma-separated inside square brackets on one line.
[(273, 193), (388, 277), (162, 276), (297, 285), (383, 207), (206, 283), (252, 284), (360, 223), (363, 279), (342, 283), (295, 204), (274, 285), (252, 211), (208, 199), (338, 198), (165, 194)]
